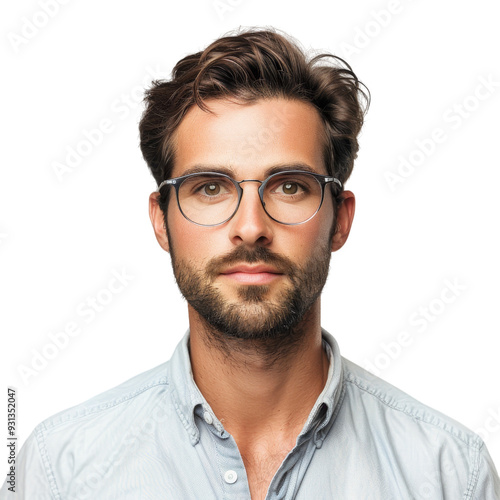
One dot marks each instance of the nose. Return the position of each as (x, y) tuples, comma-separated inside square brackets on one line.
[(250, 224)]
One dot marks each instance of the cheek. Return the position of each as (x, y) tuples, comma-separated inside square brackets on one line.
[(189, 242), (178, 231), (315, 234), (304, 243)]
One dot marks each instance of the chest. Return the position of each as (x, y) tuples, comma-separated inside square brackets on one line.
[(261, 468)]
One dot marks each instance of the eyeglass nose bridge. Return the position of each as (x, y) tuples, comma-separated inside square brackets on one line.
[(260, 191), (250, 180)]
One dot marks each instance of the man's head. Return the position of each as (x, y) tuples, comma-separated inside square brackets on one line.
[(247, 107)]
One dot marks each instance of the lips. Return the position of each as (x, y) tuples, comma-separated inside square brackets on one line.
[(252, 275)]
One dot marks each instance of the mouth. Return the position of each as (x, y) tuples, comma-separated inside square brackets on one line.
[(252, 275)]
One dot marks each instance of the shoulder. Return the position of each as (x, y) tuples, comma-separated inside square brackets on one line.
[(88, 435), (141, 390), (371, 391), (420, 445)]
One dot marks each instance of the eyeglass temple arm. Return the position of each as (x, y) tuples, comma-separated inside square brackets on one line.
[(334, 180)]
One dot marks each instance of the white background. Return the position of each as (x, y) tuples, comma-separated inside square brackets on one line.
[(62, 237)]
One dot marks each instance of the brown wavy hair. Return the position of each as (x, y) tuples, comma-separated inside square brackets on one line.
[(247, 66)]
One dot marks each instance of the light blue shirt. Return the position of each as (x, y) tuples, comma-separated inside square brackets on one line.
[(155, 437)]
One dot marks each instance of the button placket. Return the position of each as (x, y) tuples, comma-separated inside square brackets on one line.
[(232, 470), (225, 456)]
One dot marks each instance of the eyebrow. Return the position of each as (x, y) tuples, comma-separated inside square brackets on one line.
[(220, 169)]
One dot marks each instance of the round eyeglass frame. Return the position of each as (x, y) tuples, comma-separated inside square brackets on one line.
[(322, 179)]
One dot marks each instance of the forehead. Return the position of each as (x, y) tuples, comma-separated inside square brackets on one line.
[(250, 139)]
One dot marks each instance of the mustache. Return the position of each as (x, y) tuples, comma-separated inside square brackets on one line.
[(243, 254)]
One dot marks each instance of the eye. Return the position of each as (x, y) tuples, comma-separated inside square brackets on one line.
[(290, 187), (211, 189), (214, 189)]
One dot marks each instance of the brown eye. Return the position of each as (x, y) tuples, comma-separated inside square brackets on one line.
[(212, 189), (290, 188)]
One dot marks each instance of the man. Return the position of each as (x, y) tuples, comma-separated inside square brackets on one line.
[(251, 144)]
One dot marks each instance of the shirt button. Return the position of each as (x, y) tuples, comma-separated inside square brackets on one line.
[(208, 418), (230, 476)]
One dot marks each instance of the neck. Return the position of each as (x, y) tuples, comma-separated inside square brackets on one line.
[(257, 388)]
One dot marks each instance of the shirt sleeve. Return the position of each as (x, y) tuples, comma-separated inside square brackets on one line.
[(488, 483), (31, 481)]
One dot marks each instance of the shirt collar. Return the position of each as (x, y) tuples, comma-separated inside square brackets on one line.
[(185, 393), (327, 405), (188, 399)]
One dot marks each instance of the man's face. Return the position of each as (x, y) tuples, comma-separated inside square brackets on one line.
[(251, 277)]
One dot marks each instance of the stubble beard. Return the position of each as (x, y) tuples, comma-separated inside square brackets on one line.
[(270, 326)]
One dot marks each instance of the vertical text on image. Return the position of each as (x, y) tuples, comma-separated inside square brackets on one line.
[(11, 438)]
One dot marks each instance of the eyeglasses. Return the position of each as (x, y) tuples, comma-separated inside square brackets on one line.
[(289, 197)]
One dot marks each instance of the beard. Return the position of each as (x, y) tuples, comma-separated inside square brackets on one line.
[(261, 319)]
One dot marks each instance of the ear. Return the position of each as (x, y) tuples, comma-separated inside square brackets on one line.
[(345, 215), (158, 221)]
